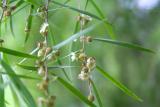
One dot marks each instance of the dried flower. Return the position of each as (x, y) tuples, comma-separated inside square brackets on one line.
[(41, 70), (82, 56), (44, 29), (48, 50), (43, 86), (41, 52), (83, 76), (7, 12), (51, 100), (91, 63)]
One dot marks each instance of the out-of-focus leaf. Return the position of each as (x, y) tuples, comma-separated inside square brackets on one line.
[(16, 53), (75, 92), (29, 23), (23, 91), (118, 84), (2, 101), (96, 93), (124, 44)]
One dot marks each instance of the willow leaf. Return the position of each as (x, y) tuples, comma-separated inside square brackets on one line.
[(23, 91), (108, 25), (118, 84), (16, 53), (49, 68), (29, 23), (97, 94), (75, 92), (11, 26), (77, 10), (124, 44), (19, 76), (2, 101)]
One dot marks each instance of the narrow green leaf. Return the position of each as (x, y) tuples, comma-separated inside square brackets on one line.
[(24, 93), (2, 101), (118, 84), (28, 67), (19, 76), (31, 53), (96, 93), (29, 23), (16, 53), (11, 26), (49, 68), (75, 92), (64, 71), (78, 10), (108, 25), (124, 44), (19, 3)]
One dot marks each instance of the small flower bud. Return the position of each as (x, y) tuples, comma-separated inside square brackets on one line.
[(74, 57), (84, 70), (51, 101), (91, 62), (43, 86), (91, 98), (89, 39), (83, 76), (41, 70), (82, 56), (7, 12), (41, 52), (44, 29), (48, 50), (40, 45)]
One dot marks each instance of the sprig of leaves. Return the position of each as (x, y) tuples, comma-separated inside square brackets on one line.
[(118, 84)]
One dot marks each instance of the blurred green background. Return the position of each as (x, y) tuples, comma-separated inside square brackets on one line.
[(134, 21)]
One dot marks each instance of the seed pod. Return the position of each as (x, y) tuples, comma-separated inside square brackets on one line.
[(41, 70), (40, 45), (91, 62), (44, 29), (51, 101), (82, 56), (48, 50), (83, 76), (41, 52), (89, 39), (7, 12), (43, 86), (84, 70), (91, 98)]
